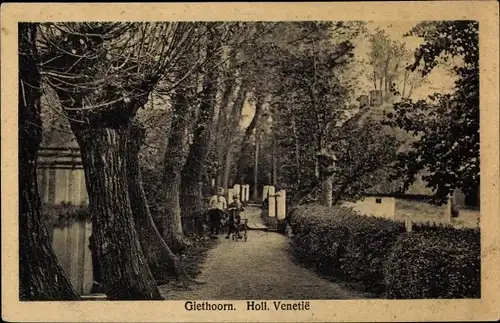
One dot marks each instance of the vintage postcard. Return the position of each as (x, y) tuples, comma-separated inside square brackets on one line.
[(250, 162)]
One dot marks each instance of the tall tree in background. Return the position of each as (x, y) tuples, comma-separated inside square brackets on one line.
[(41, 277), (447, 125), (312, 84), (389, 59)]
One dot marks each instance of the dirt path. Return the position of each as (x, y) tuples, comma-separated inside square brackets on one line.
[(261, 268)]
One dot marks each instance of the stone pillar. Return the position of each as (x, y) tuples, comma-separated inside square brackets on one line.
[(213, 182), (237, 190), (265, 192), (247, 198), (281, 209), (272, 202), (243, 193)]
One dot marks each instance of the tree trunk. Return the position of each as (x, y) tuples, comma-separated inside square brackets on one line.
[(227, 166), (235, 120), (41, 277), (245, 144), (256, 167), (222, 125), (328, 190), (123, 266), (275, 162), (161, 260), (192, 172), (175, 157)]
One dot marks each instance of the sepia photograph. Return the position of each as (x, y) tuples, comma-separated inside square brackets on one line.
[(255, 166)]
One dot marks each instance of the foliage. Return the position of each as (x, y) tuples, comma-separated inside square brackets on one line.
[(435, 264), (389, 59), (378, 253), (446, 125), (311, 96), (364, 156)]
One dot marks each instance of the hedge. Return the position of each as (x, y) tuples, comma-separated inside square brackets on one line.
[(435, 264), (431, 262)]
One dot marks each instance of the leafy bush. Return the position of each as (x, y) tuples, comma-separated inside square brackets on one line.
[(369, 241), (439, 263), (431, 262), (318, 238)]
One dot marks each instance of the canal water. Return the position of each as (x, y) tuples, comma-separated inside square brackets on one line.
[(70, 241)]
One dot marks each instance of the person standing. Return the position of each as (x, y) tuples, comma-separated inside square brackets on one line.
[(217, 205)]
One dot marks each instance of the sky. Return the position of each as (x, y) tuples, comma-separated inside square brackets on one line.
[(439, 79)]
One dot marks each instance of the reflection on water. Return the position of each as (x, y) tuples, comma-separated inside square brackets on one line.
[(70, 241)]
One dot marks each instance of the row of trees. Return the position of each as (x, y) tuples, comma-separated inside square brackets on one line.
[(164, 101)]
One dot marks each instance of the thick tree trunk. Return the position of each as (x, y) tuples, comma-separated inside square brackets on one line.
[(122, 263), (175, 157), (41, 278), (162, 261), (192, 172)]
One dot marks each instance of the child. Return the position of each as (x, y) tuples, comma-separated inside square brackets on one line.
[(216, 205), (235, 209)]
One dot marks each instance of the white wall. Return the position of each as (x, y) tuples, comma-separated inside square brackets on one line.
[(369, 206)]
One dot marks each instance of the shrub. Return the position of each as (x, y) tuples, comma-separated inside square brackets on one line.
[(434, 261), (318, 238), (369, 242), (439, 263)]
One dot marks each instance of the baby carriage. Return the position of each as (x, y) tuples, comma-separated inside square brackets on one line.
[(237, 225)]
